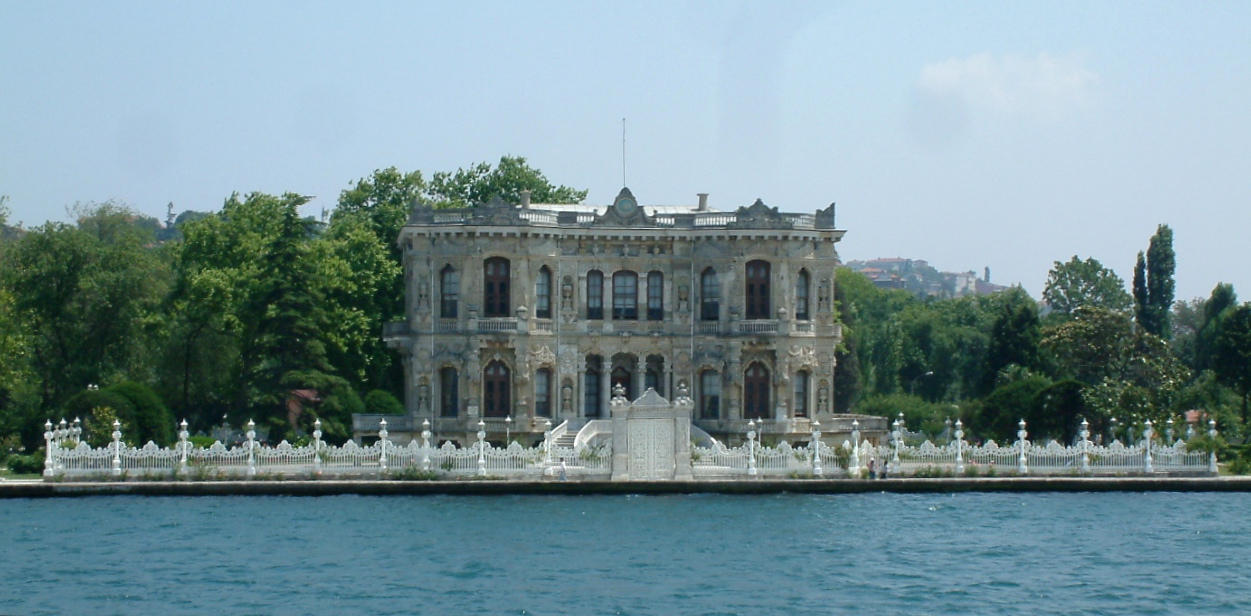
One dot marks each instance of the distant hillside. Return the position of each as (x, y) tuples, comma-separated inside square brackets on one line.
[(917, 276)]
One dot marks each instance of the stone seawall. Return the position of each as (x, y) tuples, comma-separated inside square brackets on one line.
[(39, 489)]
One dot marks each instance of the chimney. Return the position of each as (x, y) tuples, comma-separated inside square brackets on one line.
[(525, 199), (703, 202)]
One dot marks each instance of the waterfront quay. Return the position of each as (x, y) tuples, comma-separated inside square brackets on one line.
[(487, 487)]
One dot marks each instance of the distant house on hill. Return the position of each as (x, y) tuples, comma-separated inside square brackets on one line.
[(917, 276)]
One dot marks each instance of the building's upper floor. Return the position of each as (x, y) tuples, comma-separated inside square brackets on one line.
[(528, 268)]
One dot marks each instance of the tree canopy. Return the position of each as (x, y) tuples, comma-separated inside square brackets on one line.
[(1077, 283)]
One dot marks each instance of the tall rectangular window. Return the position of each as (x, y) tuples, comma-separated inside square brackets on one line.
[(449, 392), (543, 393), (595, 294), (449, 292), (758, 290), (801, 394), (710, 395), (655, 296), (590, 393), (543, 294), (801, 296), (710, 295), (625, 296), (495, 289)]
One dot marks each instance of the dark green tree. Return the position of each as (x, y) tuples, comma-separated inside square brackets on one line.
[(89, 298), (1014, 338), (1058, 409), (383, 200), (1231, 355), (481, 182), (1161, 265), (847, 377), (998, 414), (1142, 303), (1219, 305), (1077, 283), (1154, 285)]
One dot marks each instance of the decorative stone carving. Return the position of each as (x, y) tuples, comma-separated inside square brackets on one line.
[(542, 356), (803, 357), (497, 213), (759, 216)]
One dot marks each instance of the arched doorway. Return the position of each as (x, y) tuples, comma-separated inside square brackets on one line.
[(496, 387), (756, 392)]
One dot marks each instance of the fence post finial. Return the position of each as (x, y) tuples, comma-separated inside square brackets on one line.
[(1085, 434), (853, 464), (182, 446), (117, 448), (49, 461), (1020, 461), (425, 444), (1212, 468), (959, 447), (251, 449), (481, 448), (317, 447), (817, 471), (382, 444), (751, 447)]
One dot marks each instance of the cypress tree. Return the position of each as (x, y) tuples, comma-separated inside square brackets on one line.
[(1161, 263)]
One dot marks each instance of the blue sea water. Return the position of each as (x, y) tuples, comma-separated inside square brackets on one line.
[(1061, 553)]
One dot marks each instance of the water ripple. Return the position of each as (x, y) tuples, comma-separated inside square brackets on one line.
[(714, 555)]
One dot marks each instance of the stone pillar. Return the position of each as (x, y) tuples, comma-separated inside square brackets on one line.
[(640, 378), (605, 390), (579, 401)]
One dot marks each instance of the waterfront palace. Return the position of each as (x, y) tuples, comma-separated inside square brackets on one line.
[(524, 316)]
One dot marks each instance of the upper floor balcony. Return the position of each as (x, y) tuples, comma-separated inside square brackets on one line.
[(394, 332)]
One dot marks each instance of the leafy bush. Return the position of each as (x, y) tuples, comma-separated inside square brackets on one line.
[(150, 418), (97, 409), (379, 402), (26, 464), (203, 442), (143, 415)]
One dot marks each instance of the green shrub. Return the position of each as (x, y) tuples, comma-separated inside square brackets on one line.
[(31, 464), (203, 442), (151, 420), (379, 402)]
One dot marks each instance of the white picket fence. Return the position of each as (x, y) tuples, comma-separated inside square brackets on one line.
[(70, 458), (956, 458)]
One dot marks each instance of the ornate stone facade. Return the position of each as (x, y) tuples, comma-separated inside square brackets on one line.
[(521, 314)]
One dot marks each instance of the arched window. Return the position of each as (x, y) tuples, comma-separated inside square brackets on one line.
[(710, 394), (543, 294), (653, 374), (756, 392), (655, 296), (625, 296), (591, 400), (449, 292), (543, 393), (595, 294), (621, 376), (801, 295), (496, 387), (495, 289), (710, 295), (801, 394), (449, 392), (758, 290)]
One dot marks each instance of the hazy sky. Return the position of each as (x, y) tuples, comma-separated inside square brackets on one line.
[(1002, 134)]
